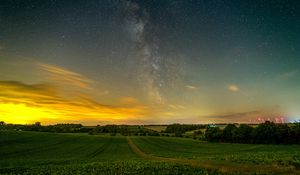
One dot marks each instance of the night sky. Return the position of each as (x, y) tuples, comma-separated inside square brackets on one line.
[(149, 62)]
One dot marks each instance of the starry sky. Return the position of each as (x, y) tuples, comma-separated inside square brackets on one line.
[(149, 62)]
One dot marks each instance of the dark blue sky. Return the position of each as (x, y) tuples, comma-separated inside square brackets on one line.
[(190, 61)]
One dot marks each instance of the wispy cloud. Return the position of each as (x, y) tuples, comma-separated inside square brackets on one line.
[(23, 103), (173, 106), (129, 100), (233, 88), (289, 74), (258, 116), (191, 87), (106, 92), (66, 76), (2, 47)]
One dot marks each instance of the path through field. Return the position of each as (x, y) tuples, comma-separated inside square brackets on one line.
[(52, 153), (208, 164)]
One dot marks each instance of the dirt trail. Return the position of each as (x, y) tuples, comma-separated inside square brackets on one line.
[(226, 168), (144, 155)]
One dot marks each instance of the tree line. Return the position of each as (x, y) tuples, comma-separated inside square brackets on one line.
[(58, 128), (125, 130), (113, 130), (180, 129), (265, 133)]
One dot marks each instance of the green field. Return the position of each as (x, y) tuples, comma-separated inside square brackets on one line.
[(49, 153), (231, 157), (157, 128)]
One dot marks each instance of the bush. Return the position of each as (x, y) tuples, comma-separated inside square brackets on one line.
[(267, 133)]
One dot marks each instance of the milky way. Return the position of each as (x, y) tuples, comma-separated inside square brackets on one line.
[(154, 71)]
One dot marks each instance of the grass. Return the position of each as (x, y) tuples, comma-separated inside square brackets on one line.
[(32, 149), (157, 128), (113, 168), (242, 157), (50, 153)]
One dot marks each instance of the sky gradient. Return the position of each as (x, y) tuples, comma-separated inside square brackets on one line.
[(149, 62)]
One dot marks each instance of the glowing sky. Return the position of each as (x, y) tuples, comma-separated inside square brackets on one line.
[(149, 62)]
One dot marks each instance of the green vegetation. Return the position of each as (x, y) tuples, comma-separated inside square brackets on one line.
[(179, 129), (232, 157), (266, 133), (193, 149), (58, 128), (52, 153), (33, 148), (75, 149), (158, 128), (124, 130), (112, 168)]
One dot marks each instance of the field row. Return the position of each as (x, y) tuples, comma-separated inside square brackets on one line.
[(35, 149), (35, 153), (246, 158)]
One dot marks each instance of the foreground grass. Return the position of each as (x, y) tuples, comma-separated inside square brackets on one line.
[(36, 149), (50, 153), (246, 158), (110, 168)]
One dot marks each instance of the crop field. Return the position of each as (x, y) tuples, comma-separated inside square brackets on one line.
[(50, 153), (157, 128), (231, 157)]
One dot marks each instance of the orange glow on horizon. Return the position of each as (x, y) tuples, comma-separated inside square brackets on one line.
[(22, 114), (25, 104)]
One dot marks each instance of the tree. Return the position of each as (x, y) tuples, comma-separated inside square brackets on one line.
[(265, 133), (243, 134), (295, 131), (229, 133), (213, 134), (2, 125), (180, 129), (37, 124), (284, 134)]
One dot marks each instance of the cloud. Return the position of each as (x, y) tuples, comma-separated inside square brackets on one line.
[(233, 88), (128, 100), (173, 106), (257, 116), (2, 47), (288, 74), (26, 103), (106, 92), (65, 76), (190, 87)]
